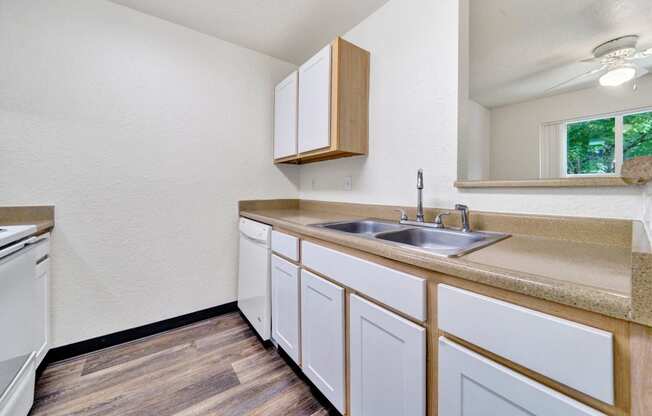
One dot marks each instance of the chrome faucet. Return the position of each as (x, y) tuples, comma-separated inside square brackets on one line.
[(464, 212), (420, 195)]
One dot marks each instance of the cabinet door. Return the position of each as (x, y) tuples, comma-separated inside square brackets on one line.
[(285, 117), (315, 102), (388, 362), (472, 385), (322, 336), (285, 306), (42, 310)]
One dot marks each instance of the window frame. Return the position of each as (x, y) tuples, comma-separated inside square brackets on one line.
[(619, 140)]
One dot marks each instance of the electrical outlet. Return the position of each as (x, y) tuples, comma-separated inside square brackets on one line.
[(348, 183), (313, 184)]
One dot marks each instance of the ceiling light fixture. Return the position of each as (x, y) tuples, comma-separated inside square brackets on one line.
[(618, 76), (617, 60)]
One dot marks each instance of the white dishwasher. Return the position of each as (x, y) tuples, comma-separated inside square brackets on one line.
[(254, 270)]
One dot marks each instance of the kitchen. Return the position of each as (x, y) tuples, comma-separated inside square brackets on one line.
[(139, 134)]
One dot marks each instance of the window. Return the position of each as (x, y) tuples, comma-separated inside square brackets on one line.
[(598, 146), (637, 135), (591, 147)]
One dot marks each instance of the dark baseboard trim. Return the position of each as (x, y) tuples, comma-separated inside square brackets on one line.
[(296, 369), (313, 389), (90, 345)]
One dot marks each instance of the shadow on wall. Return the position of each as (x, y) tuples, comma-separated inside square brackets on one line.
[(333, 175), (291, 173)]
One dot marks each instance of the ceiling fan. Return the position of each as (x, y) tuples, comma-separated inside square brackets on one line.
[(617, 59)]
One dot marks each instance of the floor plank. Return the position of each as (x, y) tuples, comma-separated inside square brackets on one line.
[(216, 367)]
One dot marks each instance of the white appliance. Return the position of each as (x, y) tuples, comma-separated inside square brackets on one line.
[(254, 288), (20, 319)]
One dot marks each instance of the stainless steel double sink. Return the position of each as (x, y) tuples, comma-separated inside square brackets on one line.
[(444, 242)]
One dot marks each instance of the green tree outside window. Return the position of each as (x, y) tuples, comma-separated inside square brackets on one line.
[(637, 135), (591, 147)]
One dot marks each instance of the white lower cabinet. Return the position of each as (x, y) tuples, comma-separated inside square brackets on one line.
[(322, 336), (285, 306), (472, 385), (387, 362)]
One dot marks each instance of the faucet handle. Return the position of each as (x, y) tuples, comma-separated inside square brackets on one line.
[(460, 207), (404, 216), (439, 219)]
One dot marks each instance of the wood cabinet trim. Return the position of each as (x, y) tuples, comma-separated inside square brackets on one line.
[(641, 374), (349, 118), (633, 385), (619, 329)]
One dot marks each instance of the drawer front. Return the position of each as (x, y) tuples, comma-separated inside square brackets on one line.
[(573, 354), (286, 245), (470, 384), (401, 291)]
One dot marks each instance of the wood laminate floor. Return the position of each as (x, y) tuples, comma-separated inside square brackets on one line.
[(213, 367)]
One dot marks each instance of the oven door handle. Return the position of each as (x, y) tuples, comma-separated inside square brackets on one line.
[(11, 249), (35, 240)]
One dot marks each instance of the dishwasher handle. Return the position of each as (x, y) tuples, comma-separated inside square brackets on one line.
[(260, 241)]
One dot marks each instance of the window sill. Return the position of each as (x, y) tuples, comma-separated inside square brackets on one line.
[(578, 182)]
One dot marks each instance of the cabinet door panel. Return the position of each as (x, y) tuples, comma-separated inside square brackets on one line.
[(472, 385), (322, 336), (285, 116), (42, 309), (285, 306), (388, 362), (315, 102)]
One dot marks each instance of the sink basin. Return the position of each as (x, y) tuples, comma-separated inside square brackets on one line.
[(368, 227), (446, 242), (443, 242)]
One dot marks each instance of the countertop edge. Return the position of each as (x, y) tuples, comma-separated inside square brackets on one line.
[(570, 294)]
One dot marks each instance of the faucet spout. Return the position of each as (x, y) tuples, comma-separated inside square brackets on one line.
[(464, 212), (420, 217)]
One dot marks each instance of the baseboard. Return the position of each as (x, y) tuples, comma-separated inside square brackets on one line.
[(90, 345), (313, 389), (296, 369)]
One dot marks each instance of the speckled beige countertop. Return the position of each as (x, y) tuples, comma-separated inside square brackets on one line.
[(585, 274), (40, 216)]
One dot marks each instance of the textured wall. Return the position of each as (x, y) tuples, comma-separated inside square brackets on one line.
[(144, 135), (413, 115)]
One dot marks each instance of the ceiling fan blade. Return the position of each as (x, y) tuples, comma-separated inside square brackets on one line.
[(578, 77)]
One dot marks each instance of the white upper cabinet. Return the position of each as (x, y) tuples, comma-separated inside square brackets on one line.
[(322, 336), (388, 362), (470, 385), (285, 117), (315, 102), (285, 306)]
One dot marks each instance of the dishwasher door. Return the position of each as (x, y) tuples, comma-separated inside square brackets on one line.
[(254, 289)]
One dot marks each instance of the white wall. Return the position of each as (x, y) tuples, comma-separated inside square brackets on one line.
[(515, 127), (474, 141), (144, 135), (413, 116)]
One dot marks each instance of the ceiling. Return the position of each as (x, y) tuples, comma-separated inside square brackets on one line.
[(520, 48), (292, 30)]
